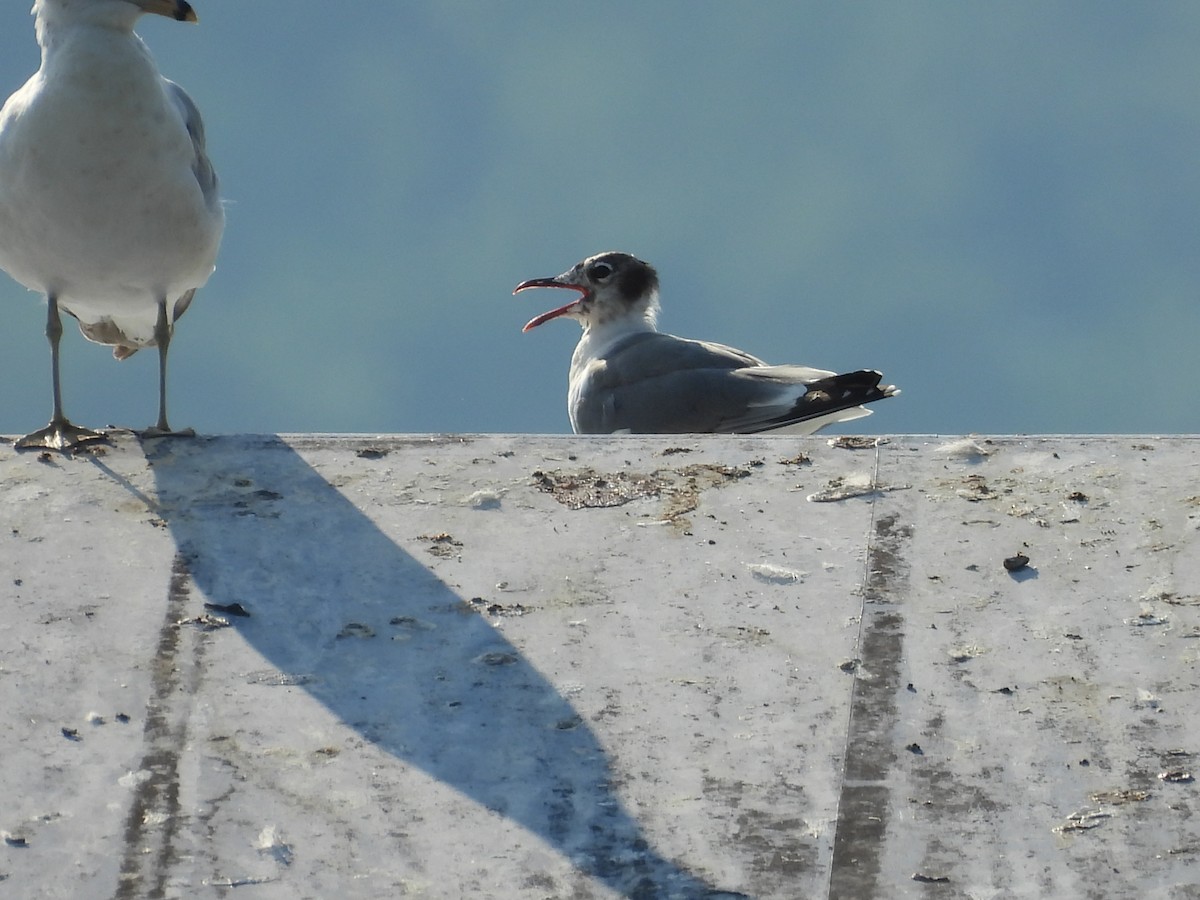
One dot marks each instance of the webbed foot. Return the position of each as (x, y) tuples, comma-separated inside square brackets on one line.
[(156, 431), (59, 435)]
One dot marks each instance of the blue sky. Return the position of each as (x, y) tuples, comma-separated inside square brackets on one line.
[(996, 204)]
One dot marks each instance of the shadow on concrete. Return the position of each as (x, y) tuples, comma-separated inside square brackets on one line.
[(338, 608)]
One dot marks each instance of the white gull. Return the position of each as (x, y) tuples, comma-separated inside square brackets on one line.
[(108, 202)]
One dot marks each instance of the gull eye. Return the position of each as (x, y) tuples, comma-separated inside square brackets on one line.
[(599, 271)]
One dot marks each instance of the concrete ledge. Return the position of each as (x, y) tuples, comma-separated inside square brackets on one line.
[(527, 666)]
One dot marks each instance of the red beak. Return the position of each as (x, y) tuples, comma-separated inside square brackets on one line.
[(554, 313)]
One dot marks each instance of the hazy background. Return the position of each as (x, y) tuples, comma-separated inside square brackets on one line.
[(996, 204)]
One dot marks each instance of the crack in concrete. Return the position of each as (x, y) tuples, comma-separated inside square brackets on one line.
[(154, 816)]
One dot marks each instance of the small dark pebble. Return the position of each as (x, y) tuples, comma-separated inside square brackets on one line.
[(1016, 563), (71, 734), (123, 718), (1006, 691), (930, 879), (233, 609), (915, 749), (372, 453), (14, 841)]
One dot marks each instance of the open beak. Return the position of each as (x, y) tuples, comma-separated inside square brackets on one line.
[(179, 10), (554, 313)]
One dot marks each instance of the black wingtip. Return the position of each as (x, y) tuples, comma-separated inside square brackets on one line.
[(834, 394)]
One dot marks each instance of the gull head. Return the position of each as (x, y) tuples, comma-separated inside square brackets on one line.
[(611, 285), (117, 13)]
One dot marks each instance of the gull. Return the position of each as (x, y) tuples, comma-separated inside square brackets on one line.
[(108, 202), (628, 377)]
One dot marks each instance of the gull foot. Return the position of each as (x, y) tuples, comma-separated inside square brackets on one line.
[(154, 431), (59, 436)]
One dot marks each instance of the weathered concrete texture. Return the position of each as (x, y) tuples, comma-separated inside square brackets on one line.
[(531, 667)]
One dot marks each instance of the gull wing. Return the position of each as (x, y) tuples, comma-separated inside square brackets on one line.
[(653, 383), (202, 167)]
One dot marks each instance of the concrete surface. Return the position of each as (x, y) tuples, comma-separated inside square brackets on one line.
[(547, 667)]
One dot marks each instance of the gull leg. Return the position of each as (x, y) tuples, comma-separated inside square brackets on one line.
[(162, 337), (60, 434)]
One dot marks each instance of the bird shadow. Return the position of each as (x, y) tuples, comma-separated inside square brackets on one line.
[(256, 525)]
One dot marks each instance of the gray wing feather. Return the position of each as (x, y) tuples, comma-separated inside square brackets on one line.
[(658, 383), (206, 176)]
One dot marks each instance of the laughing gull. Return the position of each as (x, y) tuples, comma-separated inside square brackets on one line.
[(108, 203), (628, 377)]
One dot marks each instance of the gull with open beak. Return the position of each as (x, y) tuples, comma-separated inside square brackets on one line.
[(628, 377), (108, 201)]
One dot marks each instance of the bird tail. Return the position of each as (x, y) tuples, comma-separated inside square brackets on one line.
[(836, 398)]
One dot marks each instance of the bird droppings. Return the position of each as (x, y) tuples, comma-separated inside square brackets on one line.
[(442, 544), (588, 489), (270, 843), (965, 653), (856, 442), (1119, 796), (681, 488), (1016, 563), (773, 574), (1176, 776), (1147, 620), (238, 882), (965, 448), (853, 486), (499, 610), (975, 489), (1083, 820), (486, 499), (272, 678), (800, 459)]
